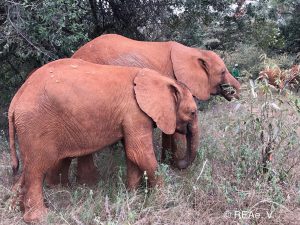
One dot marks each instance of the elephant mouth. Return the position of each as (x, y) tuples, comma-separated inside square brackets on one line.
[(228, 92)]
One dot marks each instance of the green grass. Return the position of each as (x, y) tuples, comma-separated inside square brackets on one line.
[(225, 185)]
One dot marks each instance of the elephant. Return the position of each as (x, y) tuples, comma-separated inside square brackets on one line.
[(72, 108), (202, 71)]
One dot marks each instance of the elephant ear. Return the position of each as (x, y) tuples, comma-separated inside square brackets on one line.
[(158, 96), (191, 68)]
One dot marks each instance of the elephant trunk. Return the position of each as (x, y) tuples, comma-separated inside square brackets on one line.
[(192, 144), (231, 87)]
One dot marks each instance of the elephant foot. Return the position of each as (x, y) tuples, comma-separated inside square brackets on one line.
[(35, 215)]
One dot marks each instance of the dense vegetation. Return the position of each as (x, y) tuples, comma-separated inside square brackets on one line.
[(229, 174)]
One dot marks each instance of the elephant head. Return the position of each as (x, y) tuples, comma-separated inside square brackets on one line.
[(204, 72), (169, 103)]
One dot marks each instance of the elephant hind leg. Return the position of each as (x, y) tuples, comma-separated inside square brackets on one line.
[(35, 167), (33, 200), (86, 170), (59, 173)]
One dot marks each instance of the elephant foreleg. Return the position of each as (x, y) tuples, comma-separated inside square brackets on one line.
[(134, 175), (180, 151), (181, 148), (140, 155), (174, 148)]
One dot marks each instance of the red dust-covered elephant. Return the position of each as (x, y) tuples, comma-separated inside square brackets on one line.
[(71, 108), (202, 71)]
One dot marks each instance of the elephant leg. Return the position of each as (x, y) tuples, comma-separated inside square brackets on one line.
[(141, 153), (179, 150), (86, 170), (134, 175), (166, 151), (34, 204), (184, 147), (58, 174), (173, 148)]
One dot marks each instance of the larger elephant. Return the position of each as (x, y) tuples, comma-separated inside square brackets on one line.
[(202, 71), (71, 108)]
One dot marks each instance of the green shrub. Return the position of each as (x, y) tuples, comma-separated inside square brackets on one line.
[(247, 57)]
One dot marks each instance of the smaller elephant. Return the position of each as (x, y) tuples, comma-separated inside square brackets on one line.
[(71, 108)]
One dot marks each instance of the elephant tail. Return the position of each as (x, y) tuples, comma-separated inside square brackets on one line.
[(13, 152)]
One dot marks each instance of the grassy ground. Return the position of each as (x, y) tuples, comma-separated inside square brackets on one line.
[(227, 184)]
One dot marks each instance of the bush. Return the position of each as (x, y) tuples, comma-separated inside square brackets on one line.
[(252, 60), (247, 57)]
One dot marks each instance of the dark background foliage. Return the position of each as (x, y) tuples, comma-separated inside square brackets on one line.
[(34, 32)]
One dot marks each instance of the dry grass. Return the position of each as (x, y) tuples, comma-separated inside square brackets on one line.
[(225, 185)]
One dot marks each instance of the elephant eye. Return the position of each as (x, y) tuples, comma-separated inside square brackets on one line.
[(193, 113), (223, 73)]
